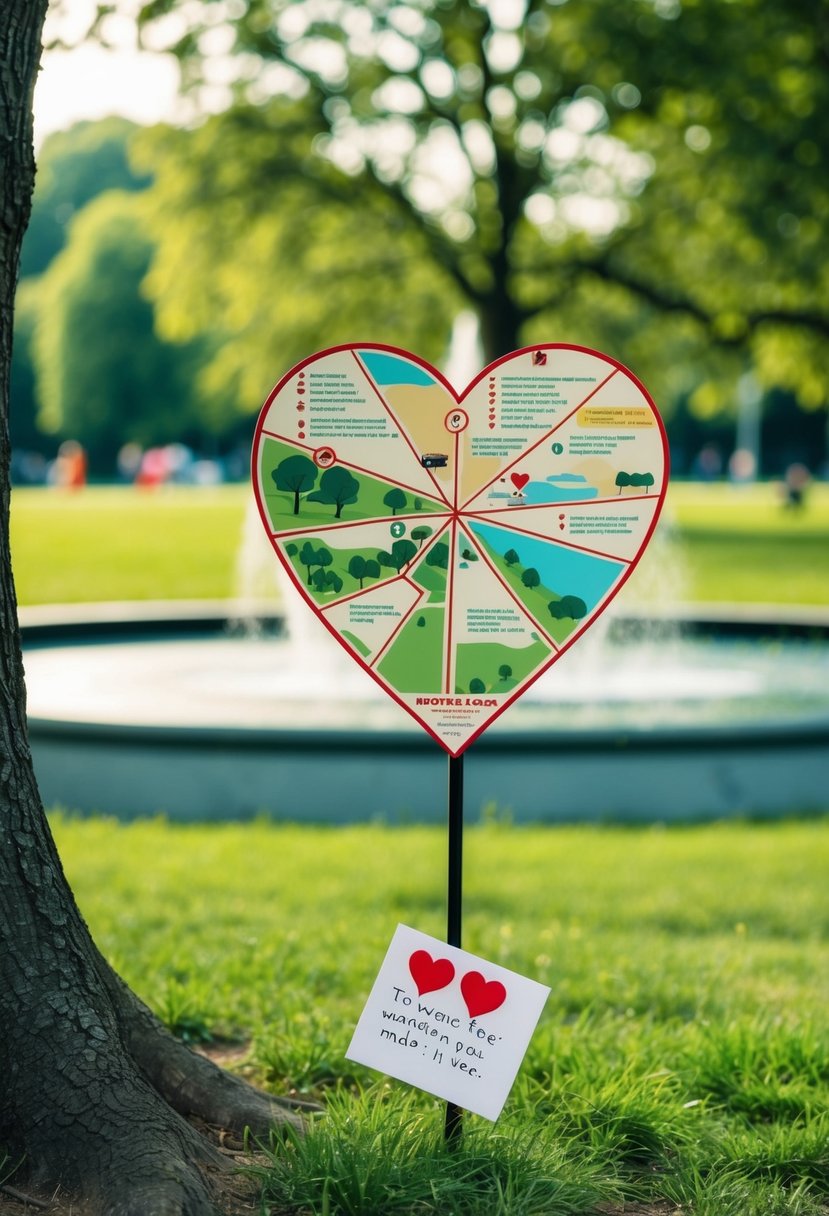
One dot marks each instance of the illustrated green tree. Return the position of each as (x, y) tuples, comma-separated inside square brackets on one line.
[(438, 556), (97, 1099), (421, 622), (477, 686), (291, 549), (569, 607), (337, 488), (505, 671), (327, 581), (396, 500), (309, 557), (604, 170), (622, 480), (361, 568), (530, 577), (468, 555), (420, 534), (511, 557), (296, 475), (402, 552)]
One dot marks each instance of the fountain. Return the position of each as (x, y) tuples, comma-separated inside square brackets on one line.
[(228, 711), (212, 712)]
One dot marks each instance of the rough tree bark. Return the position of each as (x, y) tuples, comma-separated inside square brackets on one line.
[(94, 1093)]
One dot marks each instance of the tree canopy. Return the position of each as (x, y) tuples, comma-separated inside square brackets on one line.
[(648, 177)]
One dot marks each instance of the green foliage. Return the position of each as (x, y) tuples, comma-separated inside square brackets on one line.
[(420, 534), (530, 577), (73, 168), (511, 557), (103, 375), (477, 686), (504, 671), (641, 177)]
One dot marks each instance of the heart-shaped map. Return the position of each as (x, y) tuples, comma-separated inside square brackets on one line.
[(457, 544)]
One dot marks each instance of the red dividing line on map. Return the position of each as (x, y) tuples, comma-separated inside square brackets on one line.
[(450, 608), (421, 592), (565, 504), (371, 521), (554, 540), (539, 442), (400, 429), (358, 468), (525, 612)]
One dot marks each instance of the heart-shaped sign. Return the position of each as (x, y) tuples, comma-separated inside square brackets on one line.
[(429, 539), (480, 995), (430, 974)]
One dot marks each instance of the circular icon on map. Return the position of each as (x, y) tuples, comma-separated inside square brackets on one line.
[(324, 457), (558, 448), (456, 421), (398, 529)]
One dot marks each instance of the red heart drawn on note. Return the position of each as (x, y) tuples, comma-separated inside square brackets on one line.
[(480, 995), (430, 974), (432, 560)]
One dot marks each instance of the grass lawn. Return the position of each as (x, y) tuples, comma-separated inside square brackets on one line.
[(682, 1059), (715, 543)]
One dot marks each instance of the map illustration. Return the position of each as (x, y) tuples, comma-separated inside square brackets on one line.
[(456, 544)]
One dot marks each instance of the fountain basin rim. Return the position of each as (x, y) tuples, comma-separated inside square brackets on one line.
[(53, 625)]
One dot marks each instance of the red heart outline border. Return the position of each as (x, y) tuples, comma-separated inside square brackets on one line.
[(459, 398)]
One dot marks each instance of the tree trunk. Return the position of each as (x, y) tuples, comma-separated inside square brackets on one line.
[(94, 1093)]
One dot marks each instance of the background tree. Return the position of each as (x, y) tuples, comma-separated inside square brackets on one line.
[(530, 577), (647, 178), (94, 1090), (622, 481), (511, 557), (505, 671), (337, 488), (102, 373), (477, 686), (296, 475)]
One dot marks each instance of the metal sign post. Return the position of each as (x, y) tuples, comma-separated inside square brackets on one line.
[(454, 900)]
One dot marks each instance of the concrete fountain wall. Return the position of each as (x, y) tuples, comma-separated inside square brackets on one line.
[(172, 710)]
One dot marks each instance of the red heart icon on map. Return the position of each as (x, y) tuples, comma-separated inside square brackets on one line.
[(434, 562), (480, 995), (430, 974)]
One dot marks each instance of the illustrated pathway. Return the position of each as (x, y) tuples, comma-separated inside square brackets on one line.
[(457, 545)]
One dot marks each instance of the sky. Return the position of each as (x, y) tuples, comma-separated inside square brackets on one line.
[(90, 82)]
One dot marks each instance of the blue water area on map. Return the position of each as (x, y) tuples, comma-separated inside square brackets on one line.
[(550, 491), (391, 369), (553, 491), (564, 571)]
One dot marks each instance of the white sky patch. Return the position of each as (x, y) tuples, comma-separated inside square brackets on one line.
[(92, 83)]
